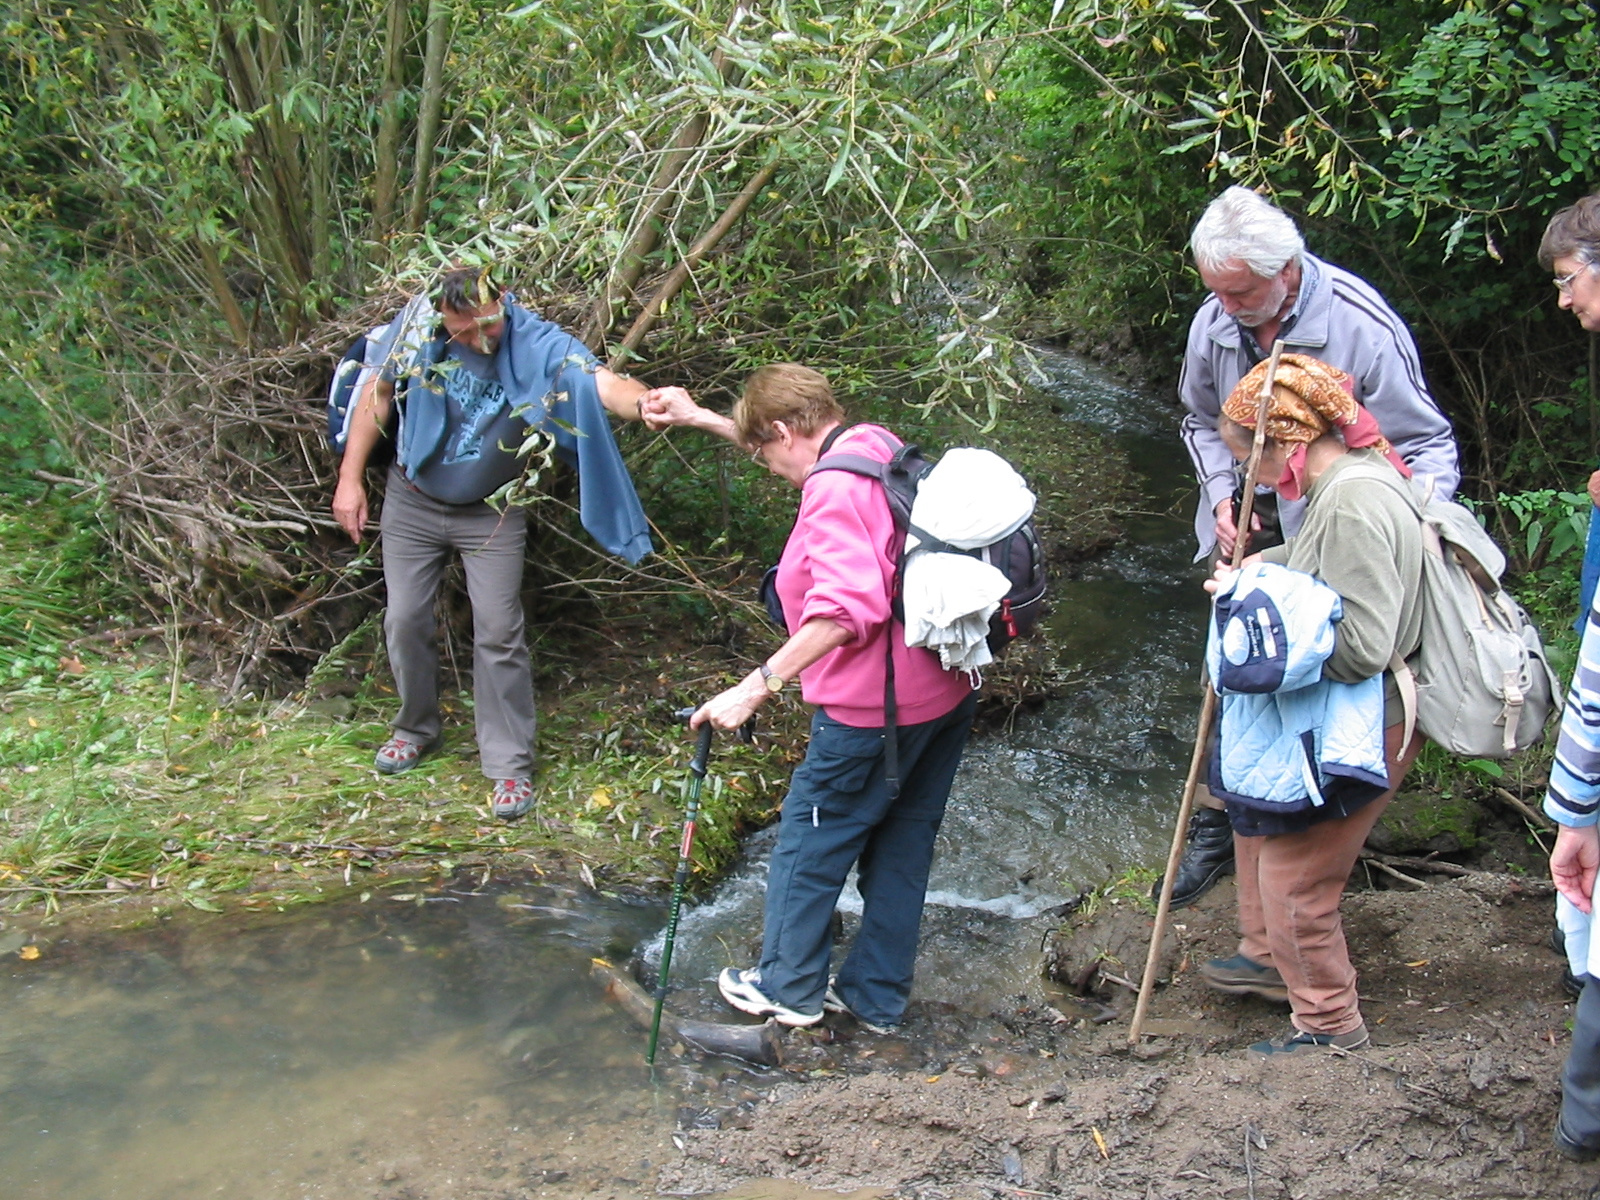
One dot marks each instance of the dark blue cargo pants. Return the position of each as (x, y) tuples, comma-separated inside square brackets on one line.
[(837, 814)]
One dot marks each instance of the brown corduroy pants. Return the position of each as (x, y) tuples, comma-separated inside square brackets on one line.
[(1290, 885)]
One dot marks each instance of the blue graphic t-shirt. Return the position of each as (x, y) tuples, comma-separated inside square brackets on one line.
[(478, 454)]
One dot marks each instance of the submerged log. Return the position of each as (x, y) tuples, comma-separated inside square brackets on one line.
[(758, 1044)]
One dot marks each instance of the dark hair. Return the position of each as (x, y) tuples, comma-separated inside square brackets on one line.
[(463, 289), (1575, 231)]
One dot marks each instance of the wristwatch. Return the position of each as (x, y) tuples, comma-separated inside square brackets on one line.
[(775, 682)]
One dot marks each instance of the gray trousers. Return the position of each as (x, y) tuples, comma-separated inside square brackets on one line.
[(1580, 1078), (419, 536)]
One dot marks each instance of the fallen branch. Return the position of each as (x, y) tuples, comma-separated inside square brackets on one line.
[(1119, 981), (679, 275), (1252, 1136), (55, 891), (1532, 815), (1418, 864), (145, 631), (385, 852), (1400, 875)]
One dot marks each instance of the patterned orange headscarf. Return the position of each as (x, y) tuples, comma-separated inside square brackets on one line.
[(1309, 398)]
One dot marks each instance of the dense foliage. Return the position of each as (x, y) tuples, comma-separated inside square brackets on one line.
[(204, 200), (205, 197), (206, 193), (1423, 144)]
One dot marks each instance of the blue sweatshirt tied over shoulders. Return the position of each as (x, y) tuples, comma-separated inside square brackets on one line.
[(550, 376)]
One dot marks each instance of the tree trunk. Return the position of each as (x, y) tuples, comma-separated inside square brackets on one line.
[(432, 106), (647, 228), (386, 184), (218, 279), (646, 232), (320, 151)]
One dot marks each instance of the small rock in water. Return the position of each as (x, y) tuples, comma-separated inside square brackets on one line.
[(390, 1174)]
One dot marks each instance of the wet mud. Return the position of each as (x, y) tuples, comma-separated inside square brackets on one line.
[(1455, 1097)]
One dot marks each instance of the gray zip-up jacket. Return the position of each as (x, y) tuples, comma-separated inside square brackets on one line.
[(1343, 321)]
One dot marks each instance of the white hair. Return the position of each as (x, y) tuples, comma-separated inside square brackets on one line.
[(1241, 226)]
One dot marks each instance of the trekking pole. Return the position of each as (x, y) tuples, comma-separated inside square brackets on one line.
[(697, 772), (1208, 708)]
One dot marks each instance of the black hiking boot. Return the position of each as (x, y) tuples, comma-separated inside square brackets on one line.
[(1571, 984), (1571, 1148), (1207, 857)]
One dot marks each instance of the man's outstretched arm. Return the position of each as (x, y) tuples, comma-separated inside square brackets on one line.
[(659, 408)]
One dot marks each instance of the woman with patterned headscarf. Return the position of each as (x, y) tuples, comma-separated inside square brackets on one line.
[(1361, 537)]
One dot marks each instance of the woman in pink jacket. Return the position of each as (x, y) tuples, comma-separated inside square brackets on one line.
[(835, 581)]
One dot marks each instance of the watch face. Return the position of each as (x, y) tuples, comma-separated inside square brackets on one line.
[(774, 682)]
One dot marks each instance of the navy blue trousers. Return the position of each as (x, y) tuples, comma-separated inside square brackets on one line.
[(1580, 1077), (837, 814)]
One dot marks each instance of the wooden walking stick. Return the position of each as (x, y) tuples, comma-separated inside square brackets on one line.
[(1208, 710)]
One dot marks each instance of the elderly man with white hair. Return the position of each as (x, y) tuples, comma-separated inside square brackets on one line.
[(1265, 286)]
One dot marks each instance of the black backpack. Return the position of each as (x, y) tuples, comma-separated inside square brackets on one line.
[(1017, 555)]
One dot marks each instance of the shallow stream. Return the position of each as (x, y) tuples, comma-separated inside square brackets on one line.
[(450, 1043)]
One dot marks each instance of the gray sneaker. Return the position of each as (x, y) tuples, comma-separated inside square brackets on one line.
[(1301, 1042), (512, 798), (742, 989), (834, 1003), (399, 755), (1570, 1147), (1241, 976)]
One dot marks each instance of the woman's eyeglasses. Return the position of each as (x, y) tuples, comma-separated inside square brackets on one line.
[(1564, 282)]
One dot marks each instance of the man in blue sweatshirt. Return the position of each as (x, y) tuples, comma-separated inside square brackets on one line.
[(480, 373)]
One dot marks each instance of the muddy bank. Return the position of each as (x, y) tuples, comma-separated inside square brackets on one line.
[(1455, 1097)]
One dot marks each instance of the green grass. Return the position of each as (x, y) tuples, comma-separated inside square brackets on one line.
[(48, 579), (108, 786), (119, 775)]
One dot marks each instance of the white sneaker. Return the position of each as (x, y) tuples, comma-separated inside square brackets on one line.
[(742, 989)]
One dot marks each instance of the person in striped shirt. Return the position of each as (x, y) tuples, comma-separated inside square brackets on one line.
[(1571, 248)]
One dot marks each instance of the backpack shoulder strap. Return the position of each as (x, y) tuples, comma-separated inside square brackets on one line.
[(1386, 475), (1406, 680), (856, 464), (859, 464)]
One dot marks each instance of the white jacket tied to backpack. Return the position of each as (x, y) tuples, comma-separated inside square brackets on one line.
[(972, 498)]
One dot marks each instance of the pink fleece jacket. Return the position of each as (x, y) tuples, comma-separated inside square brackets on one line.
[(839, 564)]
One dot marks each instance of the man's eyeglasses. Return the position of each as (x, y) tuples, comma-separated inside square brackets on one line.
[(1564, 282), (758, 455)]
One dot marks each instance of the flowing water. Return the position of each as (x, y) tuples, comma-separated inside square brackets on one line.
[(445, 1042)]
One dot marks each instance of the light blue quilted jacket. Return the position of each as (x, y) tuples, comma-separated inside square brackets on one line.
[(1292, 736)]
